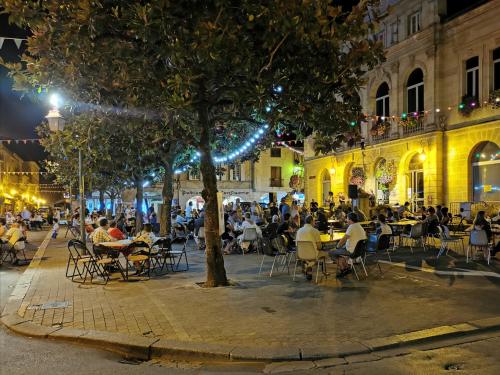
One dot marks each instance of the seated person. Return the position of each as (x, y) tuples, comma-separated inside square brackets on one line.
[(271, 231), (361, 215), (432, 221), (114, 232), (146, 235), (284, 229), (309, 233), (322, 221), (347, 244), (12, 237), (382, 226), (248, 223), (3, 227), (445, 220), (101, 233), (404, 211), (480, 223)]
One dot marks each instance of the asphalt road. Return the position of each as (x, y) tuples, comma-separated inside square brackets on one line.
[(23, 355)]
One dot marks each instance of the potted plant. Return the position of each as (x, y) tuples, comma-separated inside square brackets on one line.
[(358, 176), (467, 105)]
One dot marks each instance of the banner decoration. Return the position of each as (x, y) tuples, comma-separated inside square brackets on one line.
[(17, 41), (20, 141), (21, 173)]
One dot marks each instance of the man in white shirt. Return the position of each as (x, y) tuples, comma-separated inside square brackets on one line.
[(347, 244), (311, 234), (13, 235), (248, 223)]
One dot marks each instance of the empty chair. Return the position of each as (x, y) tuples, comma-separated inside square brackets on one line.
[(308, 253), (478, 241), (446, 239), (83, 263), (177, 255), (415, 236), (279, 253), (14, 249)]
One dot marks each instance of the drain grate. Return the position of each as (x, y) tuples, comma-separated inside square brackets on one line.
[(49, 305)]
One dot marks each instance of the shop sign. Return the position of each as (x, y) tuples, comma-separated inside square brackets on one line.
[(225, 192)]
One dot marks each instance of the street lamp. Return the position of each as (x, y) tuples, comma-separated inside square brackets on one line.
[(56, 124)]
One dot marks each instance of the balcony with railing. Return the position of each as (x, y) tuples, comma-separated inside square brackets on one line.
[(276, 182)]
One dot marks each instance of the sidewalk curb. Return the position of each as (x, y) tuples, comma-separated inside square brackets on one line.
[(153, 347)]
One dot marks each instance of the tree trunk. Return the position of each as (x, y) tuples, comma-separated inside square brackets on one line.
[(139, 197), (102, 204), (216, 273), (168, 195)]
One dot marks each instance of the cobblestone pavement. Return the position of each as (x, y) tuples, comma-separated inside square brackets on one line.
[(261, 311)]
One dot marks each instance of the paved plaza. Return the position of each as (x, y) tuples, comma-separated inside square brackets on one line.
[(260, 314)]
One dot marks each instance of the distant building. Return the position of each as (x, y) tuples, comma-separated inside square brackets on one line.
[(19, 181), (432, 128)]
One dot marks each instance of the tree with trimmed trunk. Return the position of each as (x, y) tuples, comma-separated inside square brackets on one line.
[(293, 64)]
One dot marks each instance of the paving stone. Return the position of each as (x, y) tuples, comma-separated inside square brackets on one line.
[(279, 367), (133, 346), (382, 342), (493, 322), (266, 353), (166, 348), (33, 330), (427, 334), (329, 362), (369, 357)]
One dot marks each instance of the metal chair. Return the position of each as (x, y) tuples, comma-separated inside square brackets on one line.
[(249, 237), (14, 249), (415, 236), (358, 253), (139, 253), (161, 257), (307, 252), (478, 241), (88, 262), (446, 239), (179, 254), (279, 253)]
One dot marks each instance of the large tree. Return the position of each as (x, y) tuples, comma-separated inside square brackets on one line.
[(222, 65)]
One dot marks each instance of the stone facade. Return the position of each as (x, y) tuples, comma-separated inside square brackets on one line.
[(442, 138), (15, 188)]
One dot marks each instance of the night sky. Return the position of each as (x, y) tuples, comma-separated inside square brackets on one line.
[(19, 116)]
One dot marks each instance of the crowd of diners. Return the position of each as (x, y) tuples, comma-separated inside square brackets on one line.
[(293, 221), (289, 220)]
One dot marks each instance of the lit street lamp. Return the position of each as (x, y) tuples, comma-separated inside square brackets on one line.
[(56, 124)]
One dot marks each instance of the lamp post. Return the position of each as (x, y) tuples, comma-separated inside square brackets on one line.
[(56, 124)]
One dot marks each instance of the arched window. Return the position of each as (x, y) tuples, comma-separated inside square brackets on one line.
[(486, 172), (382, 100), (415, 91)]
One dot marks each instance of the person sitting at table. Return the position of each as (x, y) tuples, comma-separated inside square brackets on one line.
[(273, 210), (179, 219), (347, 244), (360, 214), (439, 214), (3, 227), (480, 223), (115, 232), (404, 211), (445, 218), (322, 221), (311, 234), (271, 231), (432, 221), (249, 223), (12, 237), (382, 227), (101, 233), (146, 235), (284, 229)]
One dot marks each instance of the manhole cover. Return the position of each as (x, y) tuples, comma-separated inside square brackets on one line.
[(49, 305), (454, 366)]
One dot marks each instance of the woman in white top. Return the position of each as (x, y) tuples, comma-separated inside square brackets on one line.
[(382, 227)]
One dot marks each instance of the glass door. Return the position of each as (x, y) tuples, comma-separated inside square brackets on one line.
[(416, 189)]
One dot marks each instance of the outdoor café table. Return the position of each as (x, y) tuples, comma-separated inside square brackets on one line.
[(330, 241), (333, 221), (119, 246), (403, 223)]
